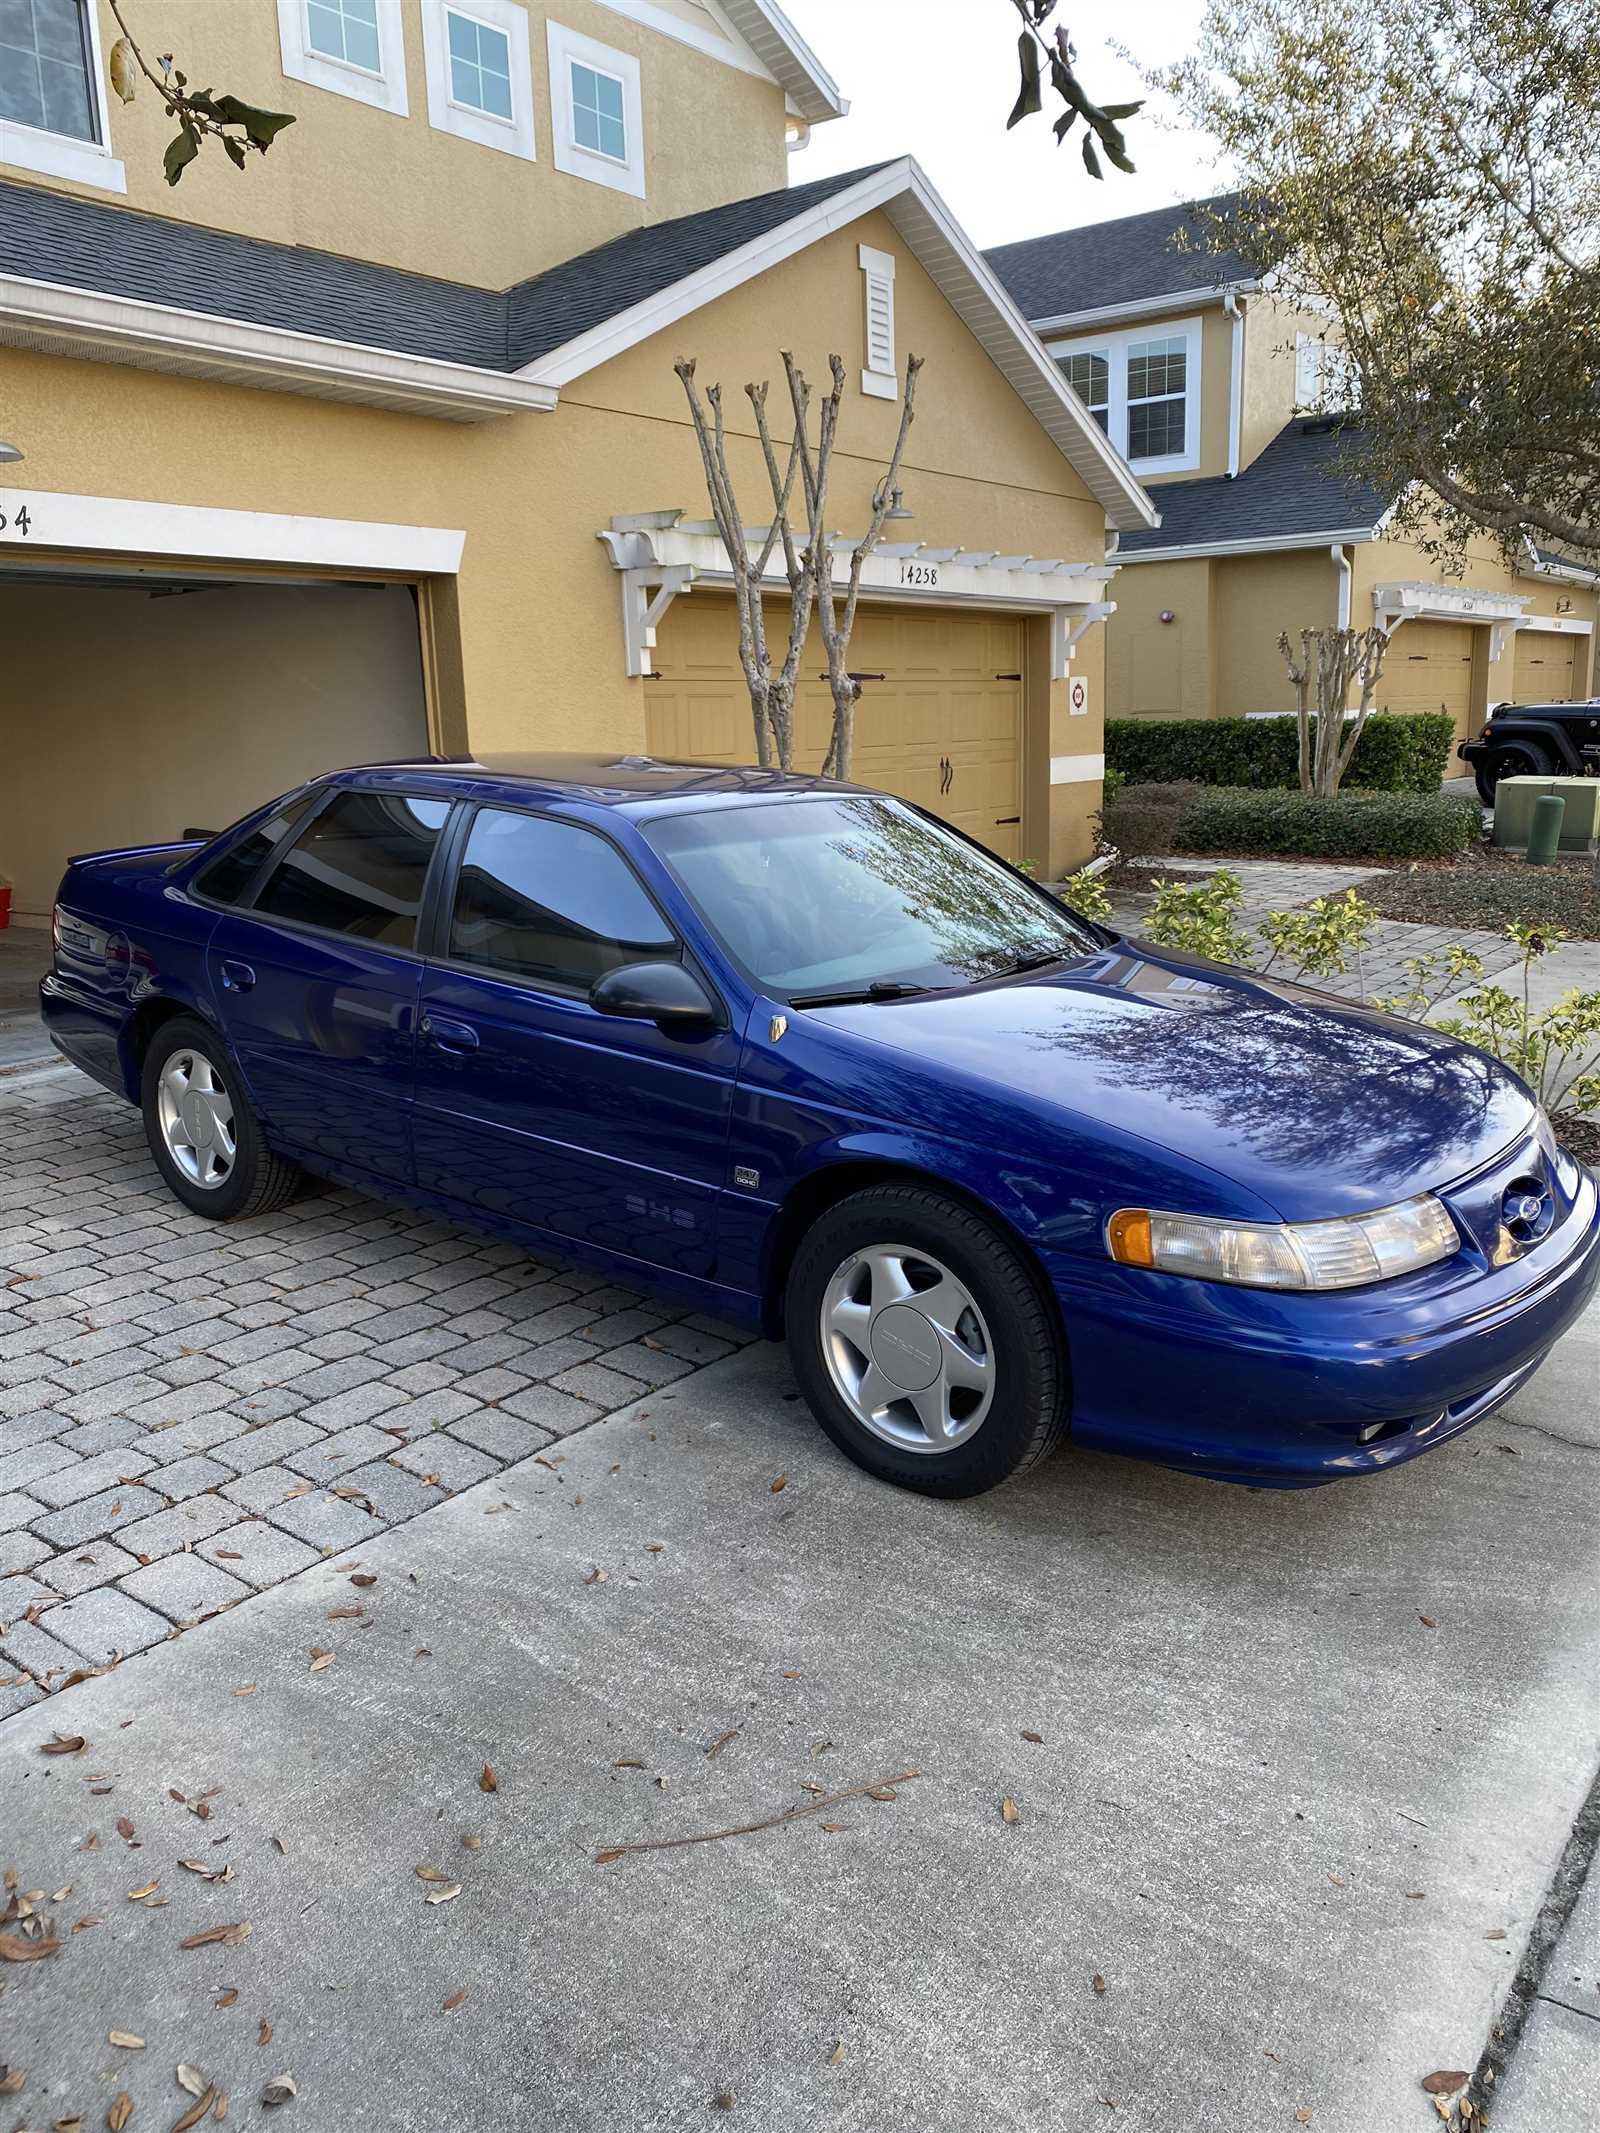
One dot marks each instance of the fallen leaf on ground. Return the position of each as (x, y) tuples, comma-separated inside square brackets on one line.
[(722, 1741), (364, 1578), (654, 1547), (723, 2099), (628, 1762), (1498, 1933), (13, 2081), (263, 2031), (472, 1844), (227, 1998), (1036, 1738), (320, 1659), (1099, 1984), (219, 1936), (230, 1555), (454, 2001), (781, 1483), (278, 2090), (191, 2078), (1302, 2117), (278, 1845), (345, 1614), (836, 2056), (596, 1576), (219, 2110), (881, 1792), (430, 1873), (64, 1744), (444, 1895), (124, 1826), (207, 1873), (120, 2112), (1427, 1622), (488, 1782), (249, 1689), (1010, 1811), (125, 2040), (832, 1829), (1444, 2082)]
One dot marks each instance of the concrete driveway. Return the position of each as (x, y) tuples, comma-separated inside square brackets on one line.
[(1306, 1767)]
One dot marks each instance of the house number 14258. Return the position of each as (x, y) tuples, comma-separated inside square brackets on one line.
[(919, 574)]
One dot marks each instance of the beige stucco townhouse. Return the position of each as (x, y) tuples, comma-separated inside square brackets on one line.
[(375, 447), (1227, 404)]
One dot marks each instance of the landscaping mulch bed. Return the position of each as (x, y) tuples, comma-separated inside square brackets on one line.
[(1579, 1136), (1486, 890)]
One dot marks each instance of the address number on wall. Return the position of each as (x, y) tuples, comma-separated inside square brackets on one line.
[(919, 574), (18, 521)]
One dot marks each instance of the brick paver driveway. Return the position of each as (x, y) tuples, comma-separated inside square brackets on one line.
[(190, 1412)]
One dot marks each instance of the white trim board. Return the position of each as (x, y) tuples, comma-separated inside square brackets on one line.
[(1196, 550), (122, 525), (942, 248), (1145, 307), (755, 37), (56, 320), (1077, 769)]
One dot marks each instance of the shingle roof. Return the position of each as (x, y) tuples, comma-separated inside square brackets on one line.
[(1295, 488), (119, 251), (1122, 262)]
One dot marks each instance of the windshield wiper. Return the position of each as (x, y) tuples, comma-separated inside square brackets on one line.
[(852, 995), (1016, 967)]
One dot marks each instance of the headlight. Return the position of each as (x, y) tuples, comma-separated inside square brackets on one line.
[(1344, 1254)]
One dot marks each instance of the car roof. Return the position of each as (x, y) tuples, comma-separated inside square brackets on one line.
[(628, 781)]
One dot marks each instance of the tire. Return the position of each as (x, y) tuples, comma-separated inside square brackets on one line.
[(999, 1400), (1518, 759), (212, 1154)]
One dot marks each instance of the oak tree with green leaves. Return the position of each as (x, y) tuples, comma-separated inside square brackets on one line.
[(1425, 176)]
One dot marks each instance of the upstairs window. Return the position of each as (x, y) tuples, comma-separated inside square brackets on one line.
[(52, 113), (595, 104), (480, 65), (480, 83), (346, 30), (1143, 389), (598, 122), (353, 48), (1090, 378)]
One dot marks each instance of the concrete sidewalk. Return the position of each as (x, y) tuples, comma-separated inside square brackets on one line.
[(1305, 1765)]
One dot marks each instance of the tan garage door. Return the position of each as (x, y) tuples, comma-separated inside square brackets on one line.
[(1429, 668), (939, 721), (1544, 667)]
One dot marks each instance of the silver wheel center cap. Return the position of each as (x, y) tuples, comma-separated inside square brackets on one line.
[(199, 1123), (905, 1347)]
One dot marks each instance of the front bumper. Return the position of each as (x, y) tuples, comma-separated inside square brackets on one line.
[(1472, 751), (1291, 1391)]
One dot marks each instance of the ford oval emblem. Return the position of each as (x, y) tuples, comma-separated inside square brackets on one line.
[(1527, 1209)]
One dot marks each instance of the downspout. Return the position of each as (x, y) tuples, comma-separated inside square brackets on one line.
[(1235, 311), (1341, 556)]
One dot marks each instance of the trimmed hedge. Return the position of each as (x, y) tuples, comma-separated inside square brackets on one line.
[(1352, 825), (1398, 751)]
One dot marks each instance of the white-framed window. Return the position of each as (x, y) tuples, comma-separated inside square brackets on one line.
[(353, 48), (480, 83), (597, 113), (1324, 377), (53, 113), (879, 378), (1142, 386)]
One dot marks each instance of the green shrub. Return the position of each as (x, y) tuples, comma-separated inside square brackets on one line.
[(1085, 893), (1398, 751), (1144, 818), (1352, 825)]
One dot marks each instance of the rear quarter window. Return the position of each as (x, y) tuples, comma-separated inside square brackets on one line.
[(224, 880)]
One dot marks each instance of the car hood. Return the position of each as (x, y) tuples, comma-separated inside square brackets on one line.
[(1313, 1105)]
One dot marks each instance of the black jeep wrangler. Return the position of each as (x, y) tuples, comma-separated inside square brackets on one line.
[(1535, 741)]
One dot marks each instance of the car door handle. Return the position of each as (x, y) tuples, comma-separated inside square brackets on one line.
[(450, 1036), (237, 977)]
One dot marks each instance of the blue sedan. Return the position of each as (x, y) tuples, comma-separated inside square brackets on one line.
[(799, 1055)]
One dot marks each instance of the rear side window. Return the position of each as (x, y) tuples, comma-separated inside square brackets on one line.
[(359, 867), (541, 900), (225, 879)]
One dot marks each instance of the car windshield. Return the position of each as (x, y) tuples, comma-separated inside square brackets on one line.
[(843, 895)]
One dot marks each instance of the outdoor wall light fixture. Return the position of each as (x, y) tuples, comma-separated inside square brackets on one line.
[(897, 507), (10, 454), (1166, 615)]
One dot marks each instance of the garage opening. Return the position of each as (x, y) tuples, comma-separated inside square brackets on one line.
[(138, 706), (1546, 660), (1428, 667), (939, 721)]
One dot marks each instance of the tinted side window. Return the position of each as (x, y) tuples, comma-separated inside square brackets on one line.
[(359, 867), (225, 878), (542, 900)]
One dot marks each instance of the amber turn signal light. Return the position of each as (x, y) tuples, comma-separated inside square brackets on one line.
[(1128, 1233)]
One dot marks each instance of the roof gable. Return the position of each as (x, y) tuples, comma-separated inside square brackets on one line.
[(1114, 265)]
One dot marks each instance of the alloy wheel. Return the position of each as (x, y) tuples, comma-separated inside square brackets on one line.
[(907, 1348), (196, 1114)]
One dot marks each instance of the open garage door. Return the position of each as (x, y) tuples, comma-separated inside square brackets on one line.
[(1429, 668), (1545, 663), (135, 708), (939, 721)]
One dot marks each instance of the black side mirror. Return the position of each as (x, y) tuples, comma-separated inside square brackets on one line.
[(664, 993)]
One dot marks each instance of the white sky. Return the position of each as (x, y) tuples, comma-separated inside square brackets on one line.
[(937, 78)]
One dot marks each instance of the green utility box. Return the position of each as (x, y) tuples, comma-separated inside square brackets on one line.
[(1513, 811)]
